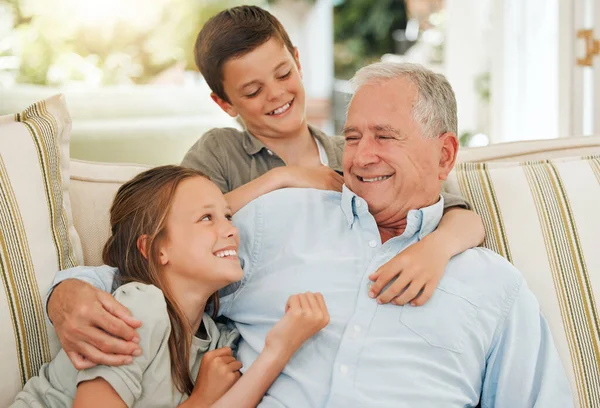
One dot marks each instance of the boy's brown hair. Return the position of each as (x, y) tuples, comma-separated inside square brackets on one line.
[(231, 34)]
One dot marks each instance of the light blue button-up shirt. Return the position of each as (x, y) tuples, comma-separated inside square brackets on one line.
[(481, 337)]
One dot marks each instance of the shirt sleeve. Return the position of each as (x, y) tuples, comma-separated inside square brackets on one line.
[(146, 303), (524, 368), (100, 277), (206, 156), (453, 200)]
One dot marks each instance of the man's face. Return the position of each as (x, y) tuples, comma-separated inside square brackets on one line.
[(387, 161), (265, 88)]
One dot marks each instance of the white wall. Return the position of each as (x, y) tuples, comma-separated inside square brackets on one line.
[(311, 29), (467, 55), (525, 70)]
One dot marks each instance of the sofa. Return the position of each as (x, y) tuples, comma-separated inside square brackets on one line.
[(538, 201)]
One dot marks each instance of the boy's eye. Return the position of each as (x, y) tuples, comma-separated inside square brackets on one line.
[(286, 75), (253, 94), (229, 217), (206, 218)]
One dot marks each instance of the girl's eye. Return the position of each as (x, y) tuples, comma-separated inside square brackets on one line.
[(286, 75), (253, 94)]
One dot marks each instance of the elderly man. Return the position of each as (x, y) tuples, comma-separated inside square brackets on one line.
[(480, 339)]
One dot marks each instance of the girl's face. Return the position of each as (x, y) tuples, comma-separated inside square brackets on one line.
[(201, 243), (265, 88)]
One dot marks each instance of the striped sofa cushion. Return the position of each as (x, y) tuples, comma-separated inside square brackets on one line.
[(37, 236), (544, 217)]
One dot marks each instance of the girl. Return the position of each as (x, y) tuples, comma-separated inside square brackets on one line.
[(175, 247)]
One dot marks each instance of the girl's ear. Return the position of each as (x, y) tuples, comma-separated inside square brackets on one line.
[(142, 245)]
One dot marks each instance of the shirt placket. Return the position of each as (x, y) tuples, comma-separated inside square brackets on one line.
[(355, 334)]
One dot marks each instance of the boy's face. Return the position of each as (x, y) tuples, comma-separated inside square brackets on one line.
[(265, 89)]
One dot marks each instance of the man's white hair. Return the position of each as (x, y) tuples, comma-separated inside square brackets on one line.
[(435, 108)]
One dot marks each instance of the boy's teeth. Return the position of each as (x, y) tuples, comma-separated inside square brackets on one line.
[(370, 180), (223, 254), (280, 110)]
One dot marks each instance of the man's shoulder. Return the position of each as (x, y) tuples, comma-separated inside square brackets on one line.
[(303, 205), (292, 198), (484, 275)]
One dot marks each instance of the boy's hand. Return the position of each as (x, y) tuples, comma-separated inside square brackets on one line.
[(305, 315), (219, 370), (419, 269), (91, 325), (322, 178)]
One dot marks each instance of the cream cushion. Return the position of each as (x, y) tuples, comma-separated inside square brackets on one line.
[(93, 187), (543, 217), (37, 235)]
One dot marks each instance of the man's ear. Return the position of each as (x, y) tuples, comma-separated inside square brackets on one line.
[(223, 104), (297, 58), (449, 150)]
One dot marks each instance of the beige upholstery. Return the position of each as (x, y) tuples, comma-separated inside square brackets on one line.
[(37, 236)]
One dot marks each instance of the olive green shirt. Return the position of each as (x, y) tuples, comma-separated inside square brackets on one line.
[(147, 381), (232, 158)]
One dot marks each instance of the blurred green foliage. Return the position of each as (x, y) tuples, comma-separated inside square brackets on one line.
[(363, 32), (64, 41)]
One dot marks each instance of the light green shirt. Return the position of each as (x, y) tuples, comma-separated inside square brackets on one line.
[(144, 383)]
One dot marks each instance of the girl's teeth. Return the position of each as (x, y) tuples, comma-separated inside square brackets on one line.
[(230, 252)]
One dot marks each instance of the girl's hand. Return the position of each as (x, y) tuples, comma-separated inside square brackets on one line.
[(419, 269), (219, 370), (305, 315), (322, 177)]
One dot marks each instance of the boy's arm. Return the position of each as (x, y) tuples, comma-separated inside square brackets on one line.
[(523, 366), (421, 266), (92, 326), (322, 178)]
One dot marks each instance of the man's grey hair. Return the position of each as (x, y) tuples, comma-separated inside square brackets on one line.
[(435, 108)]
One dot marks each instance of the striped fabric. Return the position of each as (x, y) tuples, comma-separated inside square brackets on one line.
[(37, 236), (544, 217)]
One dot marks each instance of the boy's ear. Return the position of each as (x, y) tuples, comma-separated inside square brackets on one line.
[(297, 58), (223, 104)]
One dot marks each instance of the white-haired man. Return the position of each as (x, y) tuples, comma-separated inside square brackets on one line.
[(480, 340)]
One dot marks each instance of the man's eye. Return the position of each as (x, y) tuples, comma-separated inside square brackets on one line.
[(351, 138), (384, 137)]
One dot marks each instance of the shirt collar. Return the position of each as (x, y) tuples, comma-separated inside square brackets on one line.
[(422, 221), (252, 145)]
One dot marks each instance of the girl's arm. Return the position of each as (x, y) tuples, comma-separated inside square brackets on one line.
[(97, 393), (305, 315), (420, 267), (322, 178)]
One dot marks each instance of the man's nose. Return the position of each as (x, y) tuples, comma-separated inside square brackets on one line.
[(365, 153)]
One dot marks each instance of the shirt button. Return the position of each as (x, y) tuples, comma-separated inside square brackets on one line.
[(357, 328), (270, 152), (344, 369), (358, 203), (372, 243)]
